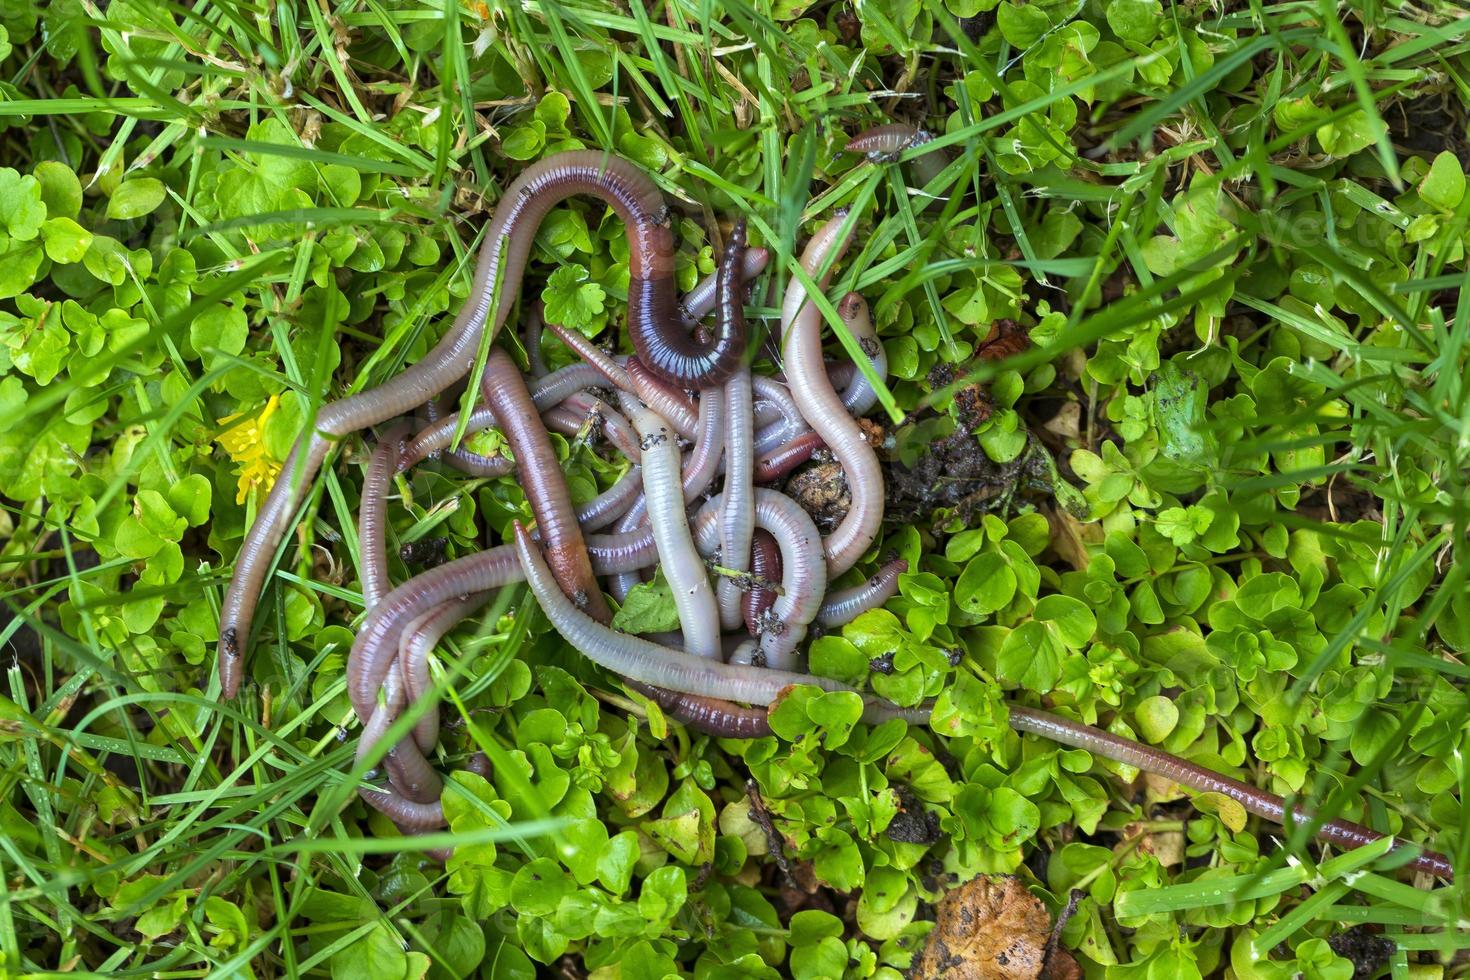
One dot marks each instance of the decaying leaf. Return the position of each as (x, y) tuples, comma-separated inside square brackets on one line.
[(992, 928)]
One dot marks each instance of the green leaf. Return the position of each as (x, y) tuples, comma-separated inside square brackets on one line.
[(538, 887), (571, 301), (649, 608), (1444, 186), (61, 190), (379, 955), (824, 959), (663, 894), (1030, 657), (21, 209), (616, 860), (986, 585), (135, 198), (1135, 20), (66, 241), (460, 945), (1021, 24), (1070, 618), (811, 926), (190, 497), (222, 329), (1156, 716)]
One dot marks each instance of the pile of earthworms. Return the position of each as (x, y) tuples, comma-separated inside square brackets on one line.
[(704, 436)]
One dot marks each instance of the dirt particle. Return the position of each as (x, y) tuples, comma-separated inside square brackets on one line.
[(1367, 951), (913, 824), (821, 490), (427, 552)]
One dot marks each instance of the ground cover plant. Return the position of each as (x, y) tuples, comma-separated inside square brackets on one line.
[(1173, 437)]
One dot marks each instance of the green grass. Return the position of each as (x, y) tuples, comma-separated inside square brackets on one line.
[(1235, 201)]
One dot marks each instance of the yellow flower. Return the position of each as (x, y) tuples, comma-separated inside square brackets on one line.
[(243, 439)]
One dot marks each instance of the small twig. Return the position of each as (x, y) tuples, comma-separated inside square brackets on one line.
[(762, 817)]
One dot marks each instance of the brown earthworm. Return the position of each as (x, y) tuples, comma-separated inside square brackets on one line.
[(648, 663), (654, 324), (569, 417), (372, 515), (723, 719), (546, 491), (675, 407), (786, 457), (803, 572), (417, 642), (701, 299), (858, 397), (883, 144), (375, 646), (765, 567), (1344, 833), (595, 357)]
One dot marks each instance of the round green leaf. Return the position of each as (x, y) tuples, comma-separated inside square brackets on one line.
[(1070, 618), (1156, 717), (135, 198)]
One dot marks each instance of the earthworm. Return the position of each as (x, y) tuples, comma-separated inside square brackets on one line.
[(376, 644), (804, 574), (694, 599), (408, 769), (569, 417), (253, 560), (765, 566), (700, 300), (699, 472), (414, 647), (858, 397), (595, 357), (712, 716), (612, 503), (546, 490), (764, 413), (883, 144), (549, 391), (535, 356), (648, 663), (842, 607), (779, 396), (737, 520), (671, 404), (411, 817), (1266, 805), (822, 409), (786, 457), (372, 515), (435, 438), (653, 320), (703, 461), (634, 518), (561, 384)]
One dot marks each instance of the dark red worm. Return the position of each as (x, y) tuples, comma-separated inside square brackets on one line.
[(722, 719), (1344, 833), (654, 322), (765, 566), (676, 408), (505, 393), (787, 457)]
